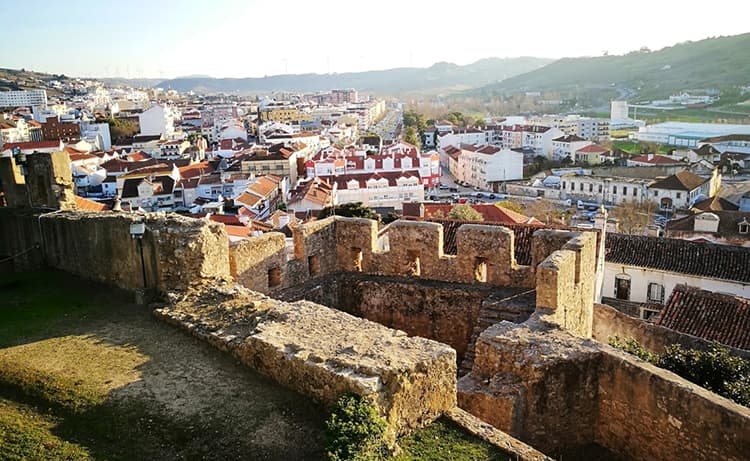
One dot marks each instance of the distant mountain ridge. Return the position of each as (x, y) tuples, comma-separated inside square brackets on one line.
[(439, 76), (713, 62)]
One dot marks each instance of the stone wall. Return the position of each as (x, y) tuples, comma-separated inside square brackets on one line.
[(177, 251), (610, 322), (559, 393), (48, 182), (254, 261), (565, 280), (324, 353), (445, 312)]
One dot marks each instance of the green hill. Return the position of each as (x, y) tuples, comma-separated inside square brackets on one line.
[(710, 63), (439, 77)]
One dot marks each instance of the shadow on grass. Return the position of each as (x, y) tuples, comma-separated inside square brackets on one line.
[(181, 400)]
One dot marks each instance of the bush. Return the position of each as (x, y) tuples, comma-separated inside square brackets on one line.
[(354, 431), (714, 369)]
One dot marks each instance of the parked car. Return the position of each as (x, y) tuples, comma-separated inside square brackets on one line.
[(442, 187), (455, 196)]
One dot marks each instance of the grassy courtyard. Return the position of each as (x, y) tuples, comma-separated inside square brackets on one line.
[(86, 374)]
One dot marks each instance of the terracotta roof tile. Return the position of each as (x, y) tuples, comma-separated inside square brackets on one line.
[(712, 316), (682, 180)]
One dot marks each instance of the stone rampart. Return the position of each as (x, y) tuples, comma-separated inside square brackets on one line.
[(558, 392), (177, 251), (324, 353)]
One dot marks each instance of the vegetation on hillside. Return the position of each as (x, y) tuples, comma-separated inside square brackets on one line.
[(710, 63), (714, 369), (465, 212), (120, 128)]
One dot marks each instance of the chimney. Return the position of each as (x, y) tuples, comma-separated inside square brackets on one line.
[(706, 222), (650, 157)]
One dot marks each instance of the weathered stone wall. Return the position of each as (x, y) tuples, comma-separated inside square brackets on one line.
[(610, 322), (48, 182), (19, 237), (253, 261), (445, 312), (558, 392), (649, 413), (177, 251), (565, 280), (325, 353)]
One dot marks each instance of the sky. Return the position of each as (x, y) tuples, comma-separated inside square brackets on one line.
[(245, 38)]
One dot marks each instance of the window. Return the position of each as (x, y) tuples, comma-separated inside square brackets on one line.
[(656, 193), (413, 268), (624, 190), (591, 188), (357, 259), (600, 188), (635, 192), (313, 265), (274, 277), (655, 293), (580, 186), (622, 286), (744, 227), (679, 195), (614, 190), (649, 314), (480, 269)]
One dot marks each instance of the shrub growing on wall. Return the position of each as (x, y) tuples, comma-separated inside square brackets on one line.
[(354, 431)]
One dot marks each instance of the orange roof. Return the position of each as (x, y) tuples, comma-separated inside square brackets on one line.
[(490, 213), (138, 156), (246, 198), (84, 204), (263, 186), (592, 149), (195, 170), (237, 231)]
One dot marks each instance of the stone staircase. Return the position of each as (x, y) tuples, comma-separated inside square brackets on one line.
[(516, 309)]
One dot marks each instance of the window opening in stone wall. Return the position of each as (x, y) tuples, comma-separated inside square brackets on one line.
[(357, 259), (413, 268), (274, 277), (480, 269), (313, 264), (656, 293)]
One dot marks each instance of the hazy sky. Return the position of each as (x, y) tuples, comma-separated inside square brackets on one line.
[(243, 38)]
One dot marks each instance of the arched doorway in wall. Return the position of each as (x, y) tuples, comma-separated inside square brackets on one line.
[(666, 204)]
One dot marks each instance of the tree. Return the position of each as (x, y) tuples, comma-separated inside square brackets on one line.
[(350, 210), (633, 217), (512, 206), (544, 210), (410, 136), (465, 212)]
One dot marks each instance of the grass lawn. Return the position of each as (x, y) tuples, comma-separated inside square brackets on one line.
[(85, 374)]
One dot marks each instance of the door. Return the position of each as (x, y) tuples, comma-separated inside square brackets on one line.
[(622, 288)]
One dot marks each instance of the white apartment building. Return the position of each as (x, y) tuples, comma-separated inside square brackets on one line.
[(377, 189), (157, 120), (566, 146), (596, 129), (23, 98), (604, 189), (465, 137), (482, 166)]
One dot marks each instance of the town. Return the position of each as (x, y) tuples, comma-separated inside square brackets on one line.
[(580, 232)]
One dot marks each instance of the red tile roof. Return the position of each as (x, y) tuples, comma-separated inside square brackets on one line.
[(84, 204), (490, 213), (655, 159), (593, 149), (712, 316), (33, 145)]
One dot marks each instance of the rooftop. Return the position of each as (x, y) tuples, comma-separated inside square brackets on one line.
[(712, 316)]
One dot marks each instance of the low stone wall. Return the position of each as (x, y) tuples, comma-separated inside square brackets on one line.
[(558, 392), (177, 251), (324, 353), (610, 322)]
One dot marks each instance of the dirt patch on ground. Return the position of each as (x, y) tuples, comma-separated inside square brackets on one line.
[(123, 353)]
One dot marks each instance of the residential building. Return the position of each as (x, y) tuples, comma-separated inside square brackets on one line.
[(152, 193), (279, 160), (172, 149), (682, 189), (609, 190), (31, 147), (261, 198), (716, 226), (280, 111), (654, 160), (593, 154), (566, 146), (54, 129), (23, 98), (375, 190), (310, 196), (157, 120), (646, 270), (485, 166)]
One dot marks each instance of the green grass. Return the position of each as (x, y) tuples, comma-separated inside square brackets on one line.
[(635, 148), (35, 302), (443, 441)]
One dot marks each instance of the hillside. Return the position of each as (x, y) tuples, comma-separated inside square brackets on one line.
[(440, 76), (22, 79), (710, 63)]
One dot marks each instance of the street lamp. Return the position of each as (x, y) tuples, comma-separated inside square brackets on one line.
[(137, 229)]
